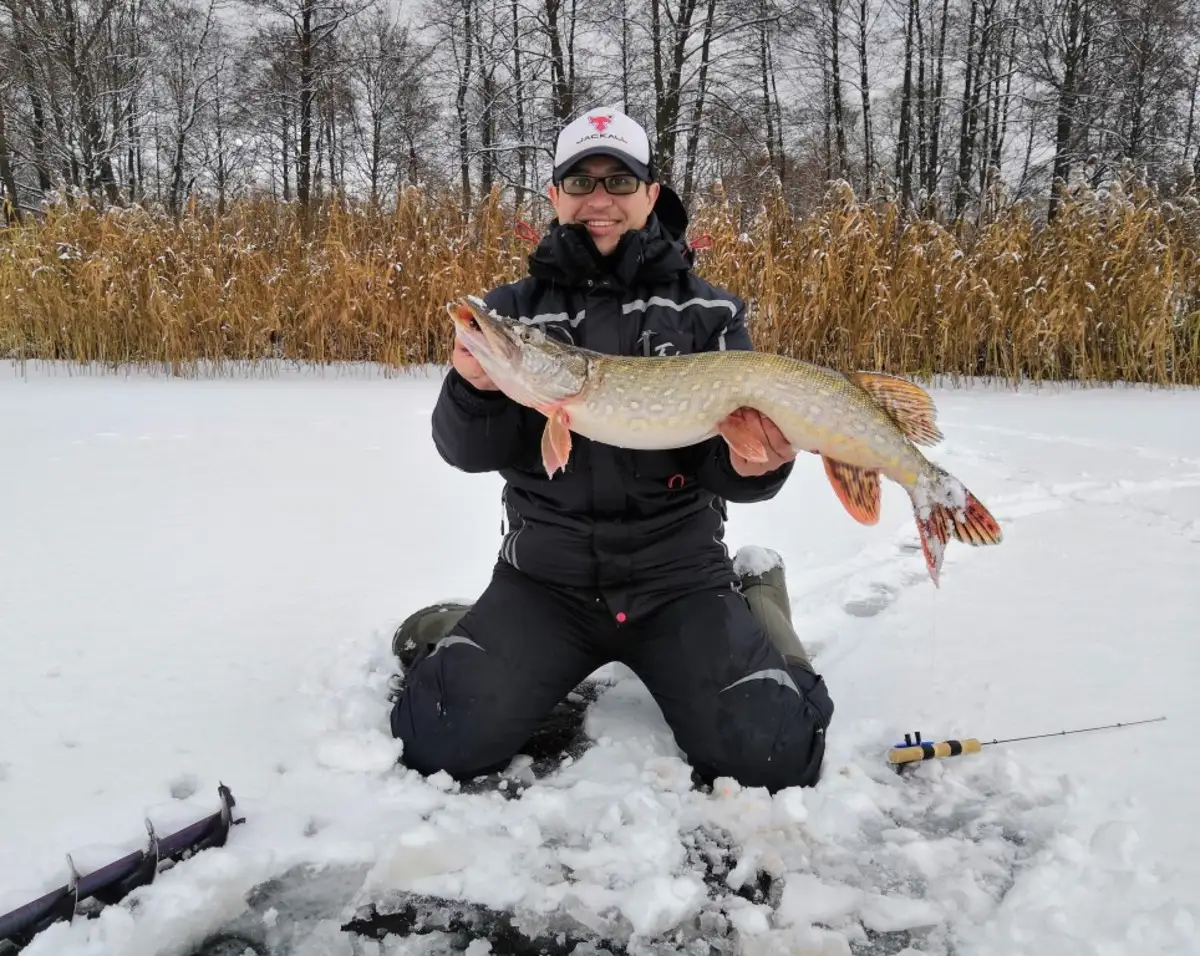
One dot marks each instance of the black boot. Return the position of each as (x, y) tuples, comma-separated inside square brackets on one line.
[(421, 630), (766, 591)]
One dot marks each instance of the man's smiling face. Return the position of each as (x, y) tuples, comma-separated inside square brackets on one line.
[(606, 216)]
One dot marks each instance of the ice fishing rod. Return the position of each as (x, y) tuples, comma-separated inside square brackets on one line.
[(915, 750)]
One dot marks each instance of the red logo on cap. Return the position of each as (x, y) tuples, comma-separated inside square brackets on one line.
[(600, 122)]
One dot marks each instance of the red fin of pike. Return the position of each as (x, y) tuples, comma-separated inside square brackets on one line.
[(556, 440), (934, 536), (977, 526), (857, 489), (735, 431), (972, 525), (908, 405)]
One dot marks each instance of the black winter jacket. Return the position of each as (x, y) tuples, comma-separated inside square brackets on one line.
[(639, 526)]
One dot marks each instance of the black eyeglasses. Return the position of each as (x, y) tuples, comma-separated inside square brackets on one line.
[(618, 184)]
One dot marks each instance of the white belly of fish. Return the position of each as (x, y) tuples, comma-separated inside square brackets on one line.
[(648, 424)]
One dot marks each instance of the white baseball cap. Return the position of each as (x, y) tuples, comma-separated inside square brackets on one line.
[(604, 131)]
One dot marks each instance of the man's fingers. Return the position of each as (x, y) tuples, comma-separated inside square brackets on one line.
[(465, 358), (461, 348), (465, 363), (469, 368), (765, 431), (772, 438), (777, 440)]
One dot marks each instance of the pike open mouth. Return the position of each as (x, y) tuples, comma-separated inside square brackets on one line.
[(463, 315), (484, 334)]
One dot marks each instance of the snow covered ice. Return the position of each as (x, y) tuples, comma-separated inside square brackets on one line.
[(199, 580)]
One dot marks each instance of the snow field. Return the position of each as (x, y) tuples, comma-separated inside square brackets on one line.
[(198, 583)]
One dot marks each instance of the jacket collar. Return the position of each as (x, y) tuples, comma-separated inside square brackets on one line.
[(568, 255)]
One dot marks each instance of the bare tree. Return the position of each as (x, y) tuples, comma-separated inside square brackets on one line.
[(313, 26), (188, 67), (393, 107), (10, 200), (86, 80), (1063, 34), (124, 99), (864, 15)]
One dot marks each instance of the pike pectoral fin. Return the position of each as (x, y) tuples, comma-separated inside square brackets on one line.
[(741, 438), (556, 441), (857, 489), (908, 405)]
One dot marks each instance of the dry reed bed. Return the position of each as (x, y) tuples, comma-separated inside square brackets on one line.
[(1107, 292)]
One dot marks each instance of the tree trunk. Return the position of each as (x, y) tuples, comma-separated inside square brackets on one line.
[(307, 98), (39, 140), (1077, 34), (286, 148), (835, 82), (560, 87), (827, 128), (668, 89), (693, 141), (970, 99), (1191, 120), (460, 105), (175, 196), (376, 161), (932, 168), (1137, 119), (926, 159), (865, 87), (904, 157), (523, 157), (221, 172), (12, 207), (626, 65), (487, 119), (765, 71)]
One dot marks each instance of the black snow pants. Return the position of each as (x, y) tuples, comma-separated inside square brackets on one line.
[(736, 708)]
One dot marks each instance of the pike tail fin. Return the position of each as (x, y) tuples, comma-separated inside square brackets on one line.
[(943, 509)]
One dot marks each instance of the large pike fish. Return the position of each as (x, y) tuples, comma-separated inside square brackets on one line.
[(862, 424)]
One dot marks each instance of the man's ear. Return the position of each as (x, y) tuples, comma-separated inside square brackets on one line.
[(552, 195), (652, 190)]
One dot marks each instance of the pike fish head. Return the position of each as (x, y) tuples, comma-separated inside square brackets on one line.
[(529, 367)]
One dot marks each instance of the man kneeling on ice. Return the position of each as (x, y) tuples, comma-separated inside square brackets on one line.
[(620, 557)]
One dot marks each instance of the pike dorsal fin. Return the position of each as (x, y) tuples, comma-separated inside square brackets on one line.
[(908, 405)]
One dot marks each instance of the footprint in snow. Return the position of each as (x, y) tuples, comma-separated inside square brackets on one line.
[(881, 597), (184, 786)]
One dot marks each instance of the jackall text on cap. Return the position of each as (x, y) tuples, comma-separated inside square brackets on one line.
[(603, 131)]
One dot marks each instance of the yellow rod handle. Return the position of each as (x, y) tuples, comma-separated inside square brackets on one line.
[(929, 751)]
